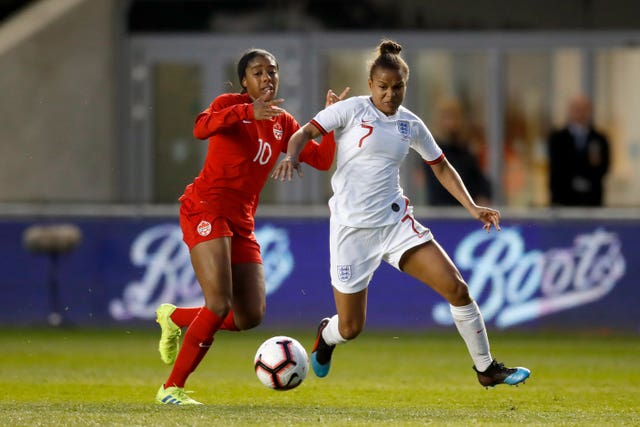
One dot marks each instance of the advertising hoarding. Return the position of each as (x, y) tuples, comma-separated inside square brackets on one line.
[(532, 274)]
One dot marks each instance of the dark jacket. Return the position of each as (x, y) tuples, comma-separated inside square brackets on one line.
[(576, 172)]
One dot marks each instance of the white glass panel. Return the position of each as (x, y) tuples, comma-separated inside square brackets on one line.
[(617, 107)]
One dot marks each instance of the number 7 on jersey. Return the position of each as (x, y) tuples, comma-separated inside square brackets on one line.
[(369, 132)]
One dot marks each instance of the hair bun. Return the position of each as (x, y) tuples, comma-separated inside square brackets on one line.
[(389, 46)]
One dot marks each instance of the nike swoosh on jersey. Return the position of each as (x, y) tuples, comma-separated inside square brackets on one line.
[(247, 121)]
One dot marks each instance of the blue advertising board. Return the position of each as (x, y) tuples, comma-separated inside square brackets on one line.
[(532, 274)]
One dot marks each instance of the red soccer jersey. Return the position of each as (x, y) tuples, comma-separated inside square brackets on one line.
[(242, 152)]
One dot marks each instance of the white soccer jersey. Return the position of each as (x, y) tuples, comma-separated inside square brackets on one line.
[(371, 149)]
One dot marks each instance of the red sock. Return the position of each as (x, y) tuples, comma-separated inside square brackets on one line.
[(197, 341), (184, 316), (228, 324)]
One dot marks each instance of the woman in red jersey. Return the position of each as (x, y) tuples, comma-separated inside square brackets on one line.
[(246, 131)]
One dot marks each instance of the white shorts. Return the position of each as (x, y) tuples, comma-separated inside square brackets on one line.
[(356, 253)]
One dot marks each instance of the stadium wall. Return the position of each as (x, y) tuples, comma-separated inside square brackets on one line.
[(546, 271), (58, 109)]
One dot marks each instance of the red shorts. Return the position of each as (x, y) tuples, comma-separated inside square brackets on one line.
[(202, 226)]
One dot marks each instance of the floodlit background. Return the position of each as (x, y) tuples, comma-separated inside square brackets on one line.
[(98, 96)]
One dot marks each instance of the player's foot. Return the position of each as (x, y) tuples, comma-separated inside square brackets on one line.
[(174, 396), (321, 353), (497, 373), (170, 337)]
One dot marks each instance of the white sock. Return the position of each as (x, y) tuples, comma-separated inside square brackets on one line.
[(331, 333), (470, 324)]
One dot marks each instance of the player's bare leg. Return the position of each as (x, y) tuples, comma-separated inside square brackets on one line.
[(212, 264), (430, 264), (249, 297), (247, 310), (344, 326), (352, 312), (247, 305)]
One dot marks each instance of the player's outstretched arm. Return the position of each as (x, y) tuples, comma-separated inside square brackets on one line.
[(320, 156), (450, 179), (284, 169)]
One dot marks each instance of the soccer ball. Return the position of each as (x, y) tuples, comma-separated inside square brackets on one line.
[(281, 363)]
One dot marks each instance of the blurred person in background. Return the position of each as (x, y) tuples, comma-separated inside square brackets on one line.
[(246, 133), (578, 158), (454, 139), (372, 220)]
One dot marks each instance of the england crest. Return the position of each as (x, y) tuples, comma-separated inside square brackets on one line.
[(344, 272), (403, 128)]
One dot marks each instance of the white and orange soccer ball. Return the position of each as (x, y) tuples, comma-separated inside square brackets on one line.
[(281, 363)]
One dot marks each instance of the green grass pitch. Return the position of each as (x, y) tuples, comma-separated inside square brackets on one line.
[(95, 378)]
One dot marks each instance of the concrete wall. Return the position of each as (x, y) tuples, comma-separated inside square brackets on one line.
[(58, 102)]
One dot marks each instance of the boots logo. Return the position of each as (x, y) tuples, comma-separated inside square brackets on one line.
[(167, 275), (513, 286)]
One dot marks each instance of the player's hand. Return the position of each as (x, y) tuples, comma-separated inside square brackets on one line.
[(284, 170), (266, 110), (489, 217), (332, 98)]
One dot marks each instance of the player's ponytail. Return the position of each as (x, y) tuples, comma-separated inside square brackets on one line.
[(389, 57), (246, 57)]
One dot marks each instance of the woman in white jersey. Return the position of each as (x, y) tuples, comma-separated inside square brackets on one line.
[(371, 219)]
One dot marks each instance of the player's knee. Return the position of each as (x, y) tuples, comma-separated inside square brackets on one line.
[(219, 306), (250, 319), (350, 330), (459, 294)]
